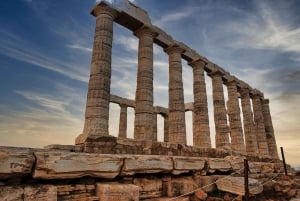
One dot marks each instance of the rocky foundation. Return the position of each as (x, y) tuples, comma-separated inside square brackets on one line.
[(63, 173)]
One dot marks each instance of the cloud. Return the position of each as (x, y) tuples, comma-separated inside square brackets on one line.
[(79, 47)]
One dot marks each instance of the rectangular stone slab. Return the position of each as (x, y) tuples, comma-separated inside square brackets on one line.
[(186, 164), (117, 192), (65, 165), (15, 162), (147, 164)]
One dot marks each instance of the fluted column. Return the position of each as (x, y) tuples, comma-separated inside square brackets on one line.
[(259, 124), (143, 128), (166, 128), (154, 127), (234, 112), (269, 129), (249, 129), (201, 132), (177, 129), (221, 127), (123, 121), (97, 107)]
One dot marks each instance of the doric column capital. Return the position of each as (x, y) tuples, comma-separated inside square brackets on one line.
[(216, 73), (245, 92), (198, 61), (266, 101), (257, 94), (174, 48), (103, 8), (232, 81), (145, 31)]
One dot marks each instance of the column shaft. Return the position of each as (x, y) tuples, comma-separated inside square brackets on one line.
[(177, 129), (269, 129), (234, 113), (143, 128), (201, 132), (123, 122), (222, 137), (260, 125), (249, 129), (166, 128), (97, 107), (154, 127)]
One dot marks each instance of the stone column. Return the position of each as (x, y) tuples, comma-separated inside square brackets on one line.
[(166, 128), (269, 129), (249, 128), (154, 127), (201, 132), (177, 129), (123, 121), (234, 113), (143, 128), (222, 136), (97, 107), (259, 124)]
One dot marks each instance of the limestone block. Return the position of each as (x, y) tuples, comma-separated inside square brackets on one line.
[(182, 185), (254, 167), (200, 195), (186, 164), (147, 164), (149, 188), (218, 164), (117, 192), (236, 162), (66, 165), (267, 167), (40, 193), (235, 185), (209, 183), (15, 162), (8, 193)]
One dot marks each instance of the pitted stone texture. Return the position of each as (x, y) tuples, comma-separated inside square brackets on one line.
[(222, 130), (236, 162), (28, 193), (149, 187), (9, 193), (249, 127), (269, 129), (233, 108), (236, 185), (77, 192), (40, 193), (117, 192), (208, 183), (184, 164), (201, 132), (180, 186), (98, 97), (147, 164), (64, 165), (176, 117), (260, 125), (15, 162), (218, 164), (143, 128)]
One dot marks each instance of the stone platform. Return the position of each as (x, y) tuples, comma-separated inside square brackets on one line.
[(60, 172)]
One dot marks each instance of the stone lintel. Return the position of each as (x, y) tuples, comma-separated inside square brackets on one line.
[(200, 60), (232, 80), (216, 72), (103, 7)]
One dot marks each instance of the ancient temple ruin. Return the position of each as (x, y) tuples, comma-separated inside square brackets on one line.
[(258, 128), (102, 167)]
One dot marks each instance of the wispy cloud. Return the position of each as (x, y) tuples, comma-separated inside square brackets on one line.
[(79, 47)]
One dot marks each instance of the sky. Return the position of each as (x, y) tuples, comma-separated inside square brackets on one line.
[(46, 46)]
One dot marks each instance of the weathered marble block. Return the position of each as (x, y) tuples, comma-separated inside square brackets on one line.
[(28, 193), (236, 185), (186, 164), (147, 164), (149, 187), (117, 192), (15, 162), (218, 164), (64, 165)]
